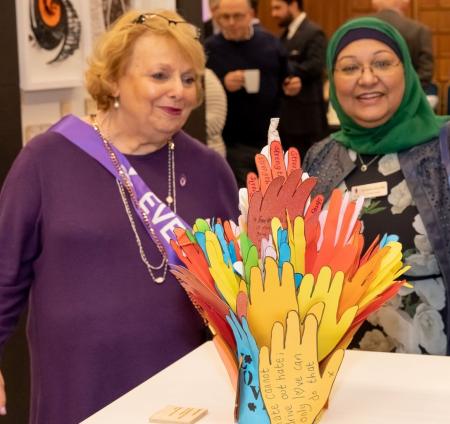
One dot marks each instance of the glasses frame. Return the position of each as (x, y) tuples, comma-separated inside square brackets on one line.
[(363, 68), (141, 19)]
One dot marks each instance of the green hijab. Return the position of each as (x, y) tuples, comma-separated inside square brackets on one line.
[(413, 123)]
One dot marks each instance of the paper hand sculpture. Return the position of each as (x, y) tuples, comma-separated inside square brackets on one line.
[(286, 289)]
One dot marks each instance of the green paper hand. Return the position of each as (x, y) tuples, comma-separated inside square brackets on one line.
[(326, 290), (270, 302), (292, 386)]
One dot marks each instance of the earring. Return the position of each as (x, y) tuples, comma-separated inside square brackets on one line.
[(116, 103)]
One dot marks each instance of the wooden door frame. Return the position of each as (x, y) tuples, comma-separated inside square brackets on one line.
[(15, 361)]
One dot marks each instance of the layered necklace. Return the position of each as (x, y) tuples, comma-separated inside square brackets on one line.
[(158, 272)]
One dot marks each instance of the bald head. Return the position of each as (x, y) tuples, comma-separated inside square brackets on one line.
[(247, 3), (399, 5), (234, 18)]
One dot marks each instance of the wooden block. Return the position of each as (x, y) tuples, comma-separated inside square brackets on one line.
[(178, 415)]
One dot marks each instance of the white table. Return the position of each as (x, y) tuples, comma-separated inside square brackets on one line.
[(371, 388)]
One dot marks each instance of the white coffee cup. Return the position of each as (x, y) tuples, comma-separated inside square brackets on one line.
[(251, 80)]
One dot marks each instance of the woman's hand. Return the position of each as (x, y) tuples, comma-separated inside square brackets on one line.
[(2, 395)]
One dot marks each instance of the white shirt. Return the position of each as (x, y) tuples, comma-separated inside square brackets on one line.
[(295, 24)]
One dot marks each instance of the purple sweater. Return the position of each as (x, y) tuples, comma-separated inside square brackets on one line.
[(98, 325)]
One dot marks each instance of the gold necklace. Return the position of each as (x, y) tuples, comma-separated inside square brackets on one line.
[(125, 184), (364, 166)]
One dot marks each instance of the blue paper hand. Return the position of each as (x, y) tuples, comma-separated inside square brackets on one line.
[(284, 251), (251, 404), (388, 238)]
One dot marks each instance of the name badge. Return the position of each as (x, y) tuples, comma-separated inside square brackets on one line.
[(370, 191)]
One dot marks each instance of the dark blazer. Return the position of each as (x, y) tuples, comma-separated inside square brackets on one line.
[(418, 38), (208, 29), (306, 112)]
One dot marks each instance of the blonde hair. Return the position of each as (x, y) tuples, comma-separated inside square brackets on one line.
[(114, 48)]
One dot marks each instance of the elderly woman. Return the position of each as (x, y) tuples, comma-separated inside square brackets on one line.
[(85, 217), (388, 150)]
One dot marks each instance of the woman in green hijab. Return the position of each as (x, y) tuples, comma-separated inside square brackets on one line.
[(393, 150)]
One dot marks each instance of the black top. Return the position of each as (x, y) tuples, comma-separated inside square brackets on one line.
[(249, 114)]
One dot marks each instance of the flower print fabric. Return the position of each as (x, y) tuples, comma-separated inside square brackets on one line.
[(412, 322)]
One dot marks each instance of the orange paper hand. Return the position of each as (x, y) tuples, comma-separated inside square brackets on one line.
[(269, 170), (281, 196)]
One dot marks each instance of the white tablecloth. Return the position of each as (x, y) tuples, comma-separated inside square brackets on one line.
[(371, 388)]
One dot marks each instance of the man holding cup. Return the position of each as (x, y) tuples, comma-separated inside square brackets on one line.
[(252, 65)]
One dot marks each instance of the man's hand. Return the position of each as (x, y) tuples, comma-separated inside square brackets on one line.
[(234, 80), (292, 86)]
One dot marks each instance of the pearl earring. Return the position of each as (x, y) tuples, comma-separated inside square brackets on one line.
[(116, 103)]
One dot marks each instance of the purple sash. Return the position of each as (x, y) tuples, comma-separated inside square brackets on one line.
[(162, 219)]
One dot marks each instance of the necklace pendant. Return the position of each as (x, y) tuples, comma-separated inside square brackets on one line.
[(363, 168), (159, 280), (169, 200)]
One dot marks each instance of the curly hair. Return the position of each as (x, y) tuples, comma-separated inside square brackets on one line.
[(114, 48)]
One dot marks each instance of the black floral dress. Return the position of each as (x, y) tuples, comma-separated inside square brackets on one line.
[(412, 322)]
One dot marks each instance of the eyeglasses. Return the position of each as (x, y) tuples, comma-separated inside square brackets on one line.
[(236, 17), (379, 67), (141, 19)]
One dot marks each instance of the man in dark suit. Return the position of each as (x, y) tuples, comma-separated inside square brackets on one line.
[(302, 117), (417, 35)]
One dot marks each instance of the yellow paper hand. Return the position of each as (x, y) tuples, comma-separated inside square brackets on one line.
[(391, 267), (270, 302), (298, 245), (328, 291), (296, 240), (292, 386)]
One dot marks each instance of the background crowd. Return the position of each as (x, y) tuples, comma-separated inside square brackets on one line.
[(236, 41)]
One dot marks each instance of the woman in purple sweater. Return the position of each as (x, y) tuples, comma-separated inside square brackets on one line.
[(83, 234)]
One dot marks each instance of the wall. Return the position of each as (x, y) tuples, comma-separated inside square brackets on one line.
[(436, 14)]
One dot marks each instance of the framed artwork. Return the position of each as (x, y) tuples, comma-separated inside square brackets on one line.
[(55, 37), (153, 4), (50, 43), (102, 13)]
